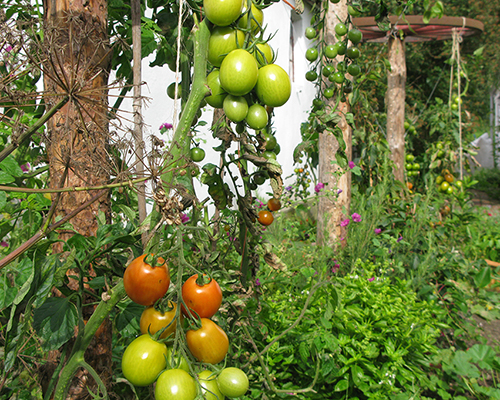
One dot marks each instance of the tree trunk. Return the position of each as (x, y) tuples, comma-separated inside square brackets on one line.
[(333, 209), (395, 100), (77, 64)]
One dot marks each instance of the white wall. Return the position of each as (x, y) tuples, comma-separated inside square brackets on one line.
[(290, 45)]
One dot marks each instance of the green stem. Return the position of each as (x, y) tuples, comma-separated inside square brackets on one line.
[(77, 360)]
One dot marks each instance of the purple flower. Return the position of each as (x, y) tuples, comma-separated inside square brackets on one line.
[(345, 222), (319, 186), (257, 282), (25, 167), (184, 218), (351, 164), (339, 191), (260, 204), (288, 188), (400, 238), (371, 279), (335, 268), (3, 243), (356, 217), (165, 126), (378, 231), (8, 49)]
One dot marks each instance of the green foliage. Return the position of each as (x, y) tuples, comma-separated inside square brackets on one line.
[(488, 182)]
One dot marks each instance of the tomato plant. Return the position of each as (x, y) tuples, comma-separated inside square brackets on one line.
[(176, 360), (238, 72), (263, 53), (152, 320), (273, 86), (265, 217), (175, 384), (269, 141), (209, 343), (143, 360), (209, 386), (145, 284), (257, 20), (204, 299), (233, 382)]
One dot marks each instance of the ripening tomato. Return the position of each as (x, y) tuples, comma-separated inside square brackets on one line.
[(233, 382), (175, 384), (274, 204), (265, 217), (216, 99), (222, 12), (273, 86), (223, 40), (209, 386), (153, 320), (145, 284), (238, 72), (257, 117), (203, 299), (208, 344), (143, 360)]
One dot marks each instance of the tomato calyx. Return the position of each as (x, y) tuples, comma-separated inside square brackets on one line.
[(153, 260)]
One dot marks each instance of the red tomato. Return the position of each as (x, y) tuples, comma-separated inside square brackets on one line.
[(265, 217), (145, 284), (153, 320), (209, 344), (274, 204), (205, 300)]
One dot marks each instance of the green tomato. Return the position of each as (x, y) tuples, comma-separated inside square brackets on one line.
[(354, 69), (277, 149), (406, 125), (143, 360), (311, 76), (175, 384), (337, 77), (233, 382), (310, 32), (171, 91), (330, 51), (263, 53), (235, 108), (353, 53), (197, 154), (327, 70), (269, 141), (273, 86), (341, 48), (328, 92), (410, 158), (222, 12), (238, 72), (223, 40), (340, 29), (355, 36), (269, 155), (312, 54), (257, 13), (209, 386), (216, 99), (257, 117)]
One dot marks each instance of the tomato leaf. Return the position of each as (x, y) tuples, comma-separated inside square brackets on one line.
[(483, 277), (55, 322), (11, 167), (342, 386)]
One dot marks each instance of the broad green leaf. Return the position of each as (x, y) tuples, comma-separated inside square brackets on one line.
[(483, 277), (11, 167), (127, 320), (5, 178), (342, 386), (55, 322), (482, 354)]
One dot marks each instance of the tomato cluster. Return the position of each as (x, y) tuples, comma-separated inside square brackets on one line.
[(447, 183), (150, 358), (265, 216), (412, 168), (244, 80)]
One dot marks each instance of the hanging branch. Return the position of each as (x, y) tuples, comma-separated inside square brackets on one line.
[(137, 109)]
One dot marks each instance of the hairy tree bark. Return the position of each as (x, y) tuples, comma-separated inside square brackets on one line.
[(395, 100), (333, 209), (76, 64)]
